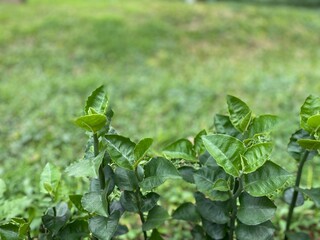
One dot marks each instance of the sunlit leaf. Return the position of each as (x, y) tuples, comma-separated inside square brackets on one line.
[(141, 149), (121, 150), (198, 143), (180, 149), (266, 179), (310, 107), (256, 155), (91, 123), (50, 179), (262, 124), (240, 113), (98, 100), (226, 151), (309, 144), (86, 167)]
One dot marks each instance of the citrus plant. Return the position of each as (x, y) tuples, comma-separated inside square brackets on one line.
[(231, 168), (234, 176), (304, 145)]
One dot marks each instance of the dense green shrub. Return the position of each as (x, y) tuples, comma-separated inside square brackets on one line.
[(231, 168)]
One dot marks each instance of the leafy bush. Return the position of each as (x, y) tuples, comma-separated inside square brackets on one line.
[(231, 168)]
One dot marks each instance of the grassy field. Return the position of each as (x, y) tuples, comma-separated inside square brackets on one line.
[(167, 66)]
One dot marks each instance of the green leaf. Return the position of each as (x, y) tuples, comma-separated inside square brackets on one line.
[(157, 171), (121, 230), (198, 143), (109, 179), (3, 187), (181, 149), (240, 113), (310, 107), (217, 212), (207, 160), (198, 233), (187, 212), (226, 151), (288, 195), (266, 179), (56, 218), (50, 179), (104, 227), (76, 200), (313, 194), (126, 179), (95, 202), (156, 217), (262, 231), (215, 231), (223, 125), (129, 201), (149, 201), (91, 123), (309, 144), (121, 150), (208, 179), (298, 236), (9, 232), (141, 149), (314, 121), (75, 230), (86, 167), (262, 207), (155, 235), (98, 100), (186, 173), (15, 207), (256, 155), (262, 124), (295, 150)]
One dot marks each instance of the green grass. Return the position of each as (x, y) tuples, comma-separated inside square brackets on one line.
[(167, 67)]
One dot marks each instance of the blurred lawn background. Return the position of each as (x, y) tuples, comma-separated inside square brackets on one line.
[(167, 67)]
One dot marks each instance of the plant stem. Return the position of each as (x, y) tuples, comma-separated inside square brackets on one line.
[(138, 194), (96, 153), (295, 192), (237, 190)]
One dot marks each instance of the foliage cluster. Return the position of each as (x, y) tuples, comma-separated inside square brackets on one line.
[(231, 168)]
